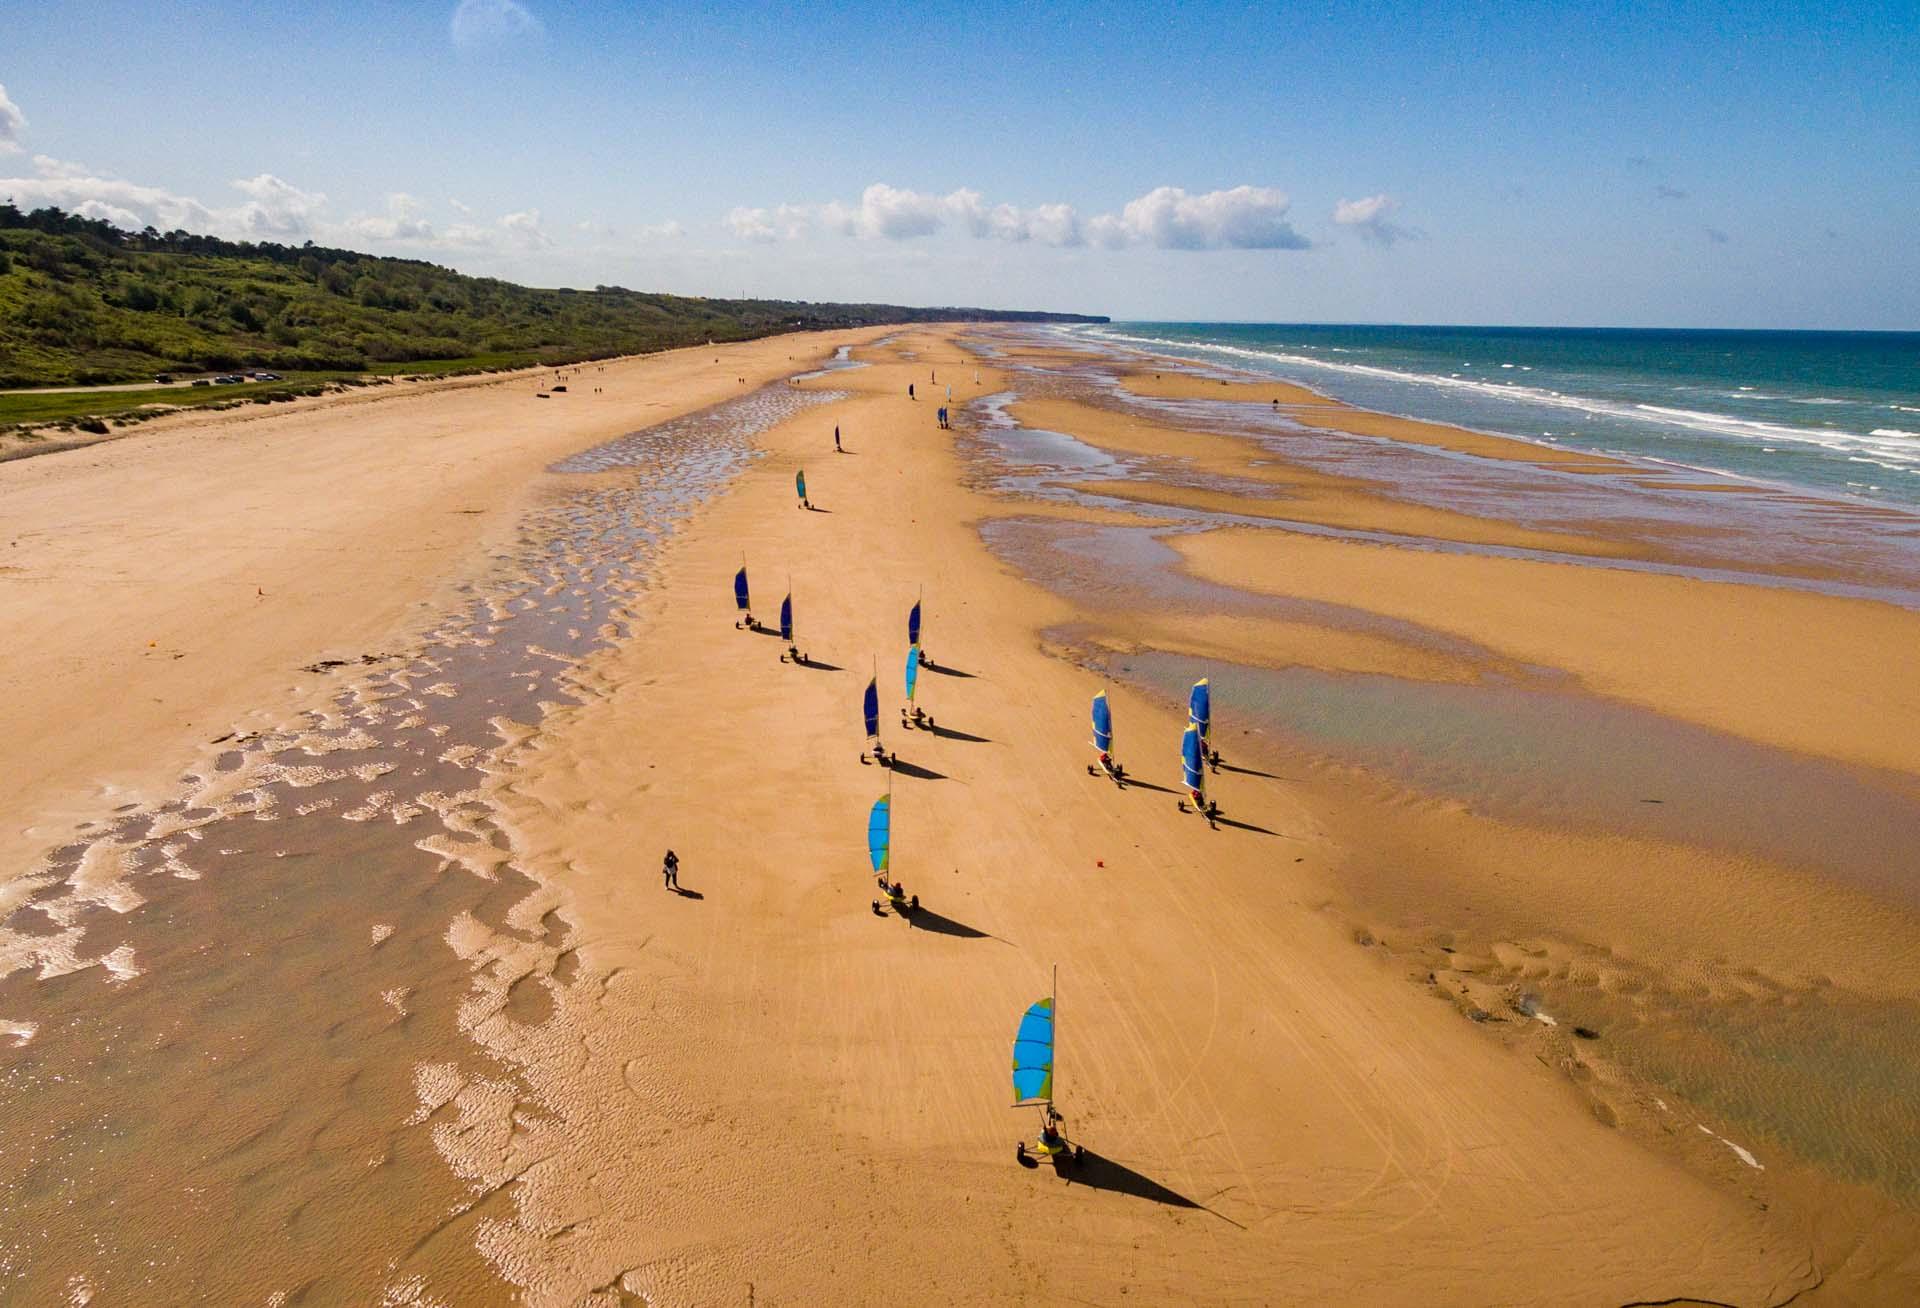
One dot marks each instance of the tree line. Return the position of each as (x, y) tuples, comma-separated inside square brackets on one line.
[(83, 301)]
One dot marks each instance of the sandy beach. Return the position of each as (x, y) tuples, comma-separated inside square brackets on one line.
[(1555, 945)]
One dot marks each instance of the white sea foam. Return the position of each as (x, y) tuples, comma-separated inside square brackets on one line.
[(1896, 448)]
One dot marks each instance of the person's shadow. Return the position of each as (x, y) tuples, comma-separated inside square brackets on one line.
[(684, 893)]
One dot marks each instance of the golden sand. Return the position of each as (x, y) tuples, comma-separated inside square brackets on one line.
[(822, 1091), (208, 558), (1298, 494), (763, 1092), (1310, 409), (1800, 670)]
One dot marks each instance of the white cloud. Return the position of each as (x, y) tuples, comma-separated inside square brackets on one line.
[(610, 238), (1369, 219), (274, 211), (74, 189), (1050, 224), (1244, 218), (479, 23), (401, 222), (896, 215), (404, 224), (784, 222), (12, 124), (524, 229), (467, 236), (279, 210), (48, 166)]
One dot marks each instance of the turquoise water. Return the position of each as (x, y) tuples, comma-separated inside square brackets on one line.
[(1830, 412)]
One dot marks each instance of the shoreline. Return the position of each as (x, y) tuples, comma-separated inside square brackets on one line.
[(1571, 454), (554, 811), (682, 1097)]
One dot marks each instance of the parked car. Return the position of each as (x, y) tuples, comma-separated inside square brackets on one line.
[(201, 381), (266, 376), (163, 378), (229, 379)]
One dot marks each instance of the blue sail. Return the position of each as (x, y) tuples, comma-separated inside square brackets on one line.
[(880, 833), (800, 484), (1200, 709), (786, 618), (1102, 724), (1033, 1055), (913, 624), (870, 708), (913, 671), (740, 589), (1193, 768)]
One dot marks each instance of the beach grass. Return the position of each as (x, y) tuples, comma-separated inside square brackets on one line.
[(123, 407)]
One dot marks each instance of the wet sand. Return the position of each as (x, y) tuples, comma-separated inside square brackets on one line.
[(1312, 409), (209, 559), (1221, 474), (232, 991), (1276, 1110), (435, 996)]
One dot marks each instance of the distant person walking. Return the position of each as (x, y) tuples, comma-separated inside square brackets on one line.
[(836, 442), (670, 871), (910, 394)]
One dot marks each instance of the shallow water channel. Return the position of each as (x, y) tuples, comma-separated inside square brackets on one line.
[(1825, 1074), (225, 1016)]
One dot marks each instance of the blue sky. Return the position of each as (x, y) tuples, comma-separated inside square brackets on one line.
[(1691, 164)]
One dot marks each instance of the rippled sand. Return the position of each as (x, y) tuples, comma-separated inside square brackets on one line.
[(381, 1000), (247, 1009)]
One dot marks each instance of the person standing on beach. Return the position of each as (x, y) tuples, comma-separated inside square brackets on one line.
[(836, 442), (670, 871), (910, 390)]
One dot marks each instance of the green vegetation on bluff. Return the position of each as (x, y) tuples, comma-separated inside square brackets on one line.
[(83, 302)]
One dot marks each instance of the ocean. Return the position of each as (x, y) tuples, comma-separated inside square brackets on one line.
[(1836, 413)]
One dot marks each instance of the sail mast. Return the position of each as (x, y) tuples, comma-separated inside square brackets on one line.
[(1053, 993)]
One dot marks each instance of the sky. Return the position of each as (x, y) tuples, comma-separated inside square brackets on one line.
[(1611, 164)]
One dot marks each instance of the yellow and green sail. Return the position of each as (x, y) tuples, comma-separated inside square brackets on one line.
[(1033, 1055), (880, 833)]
